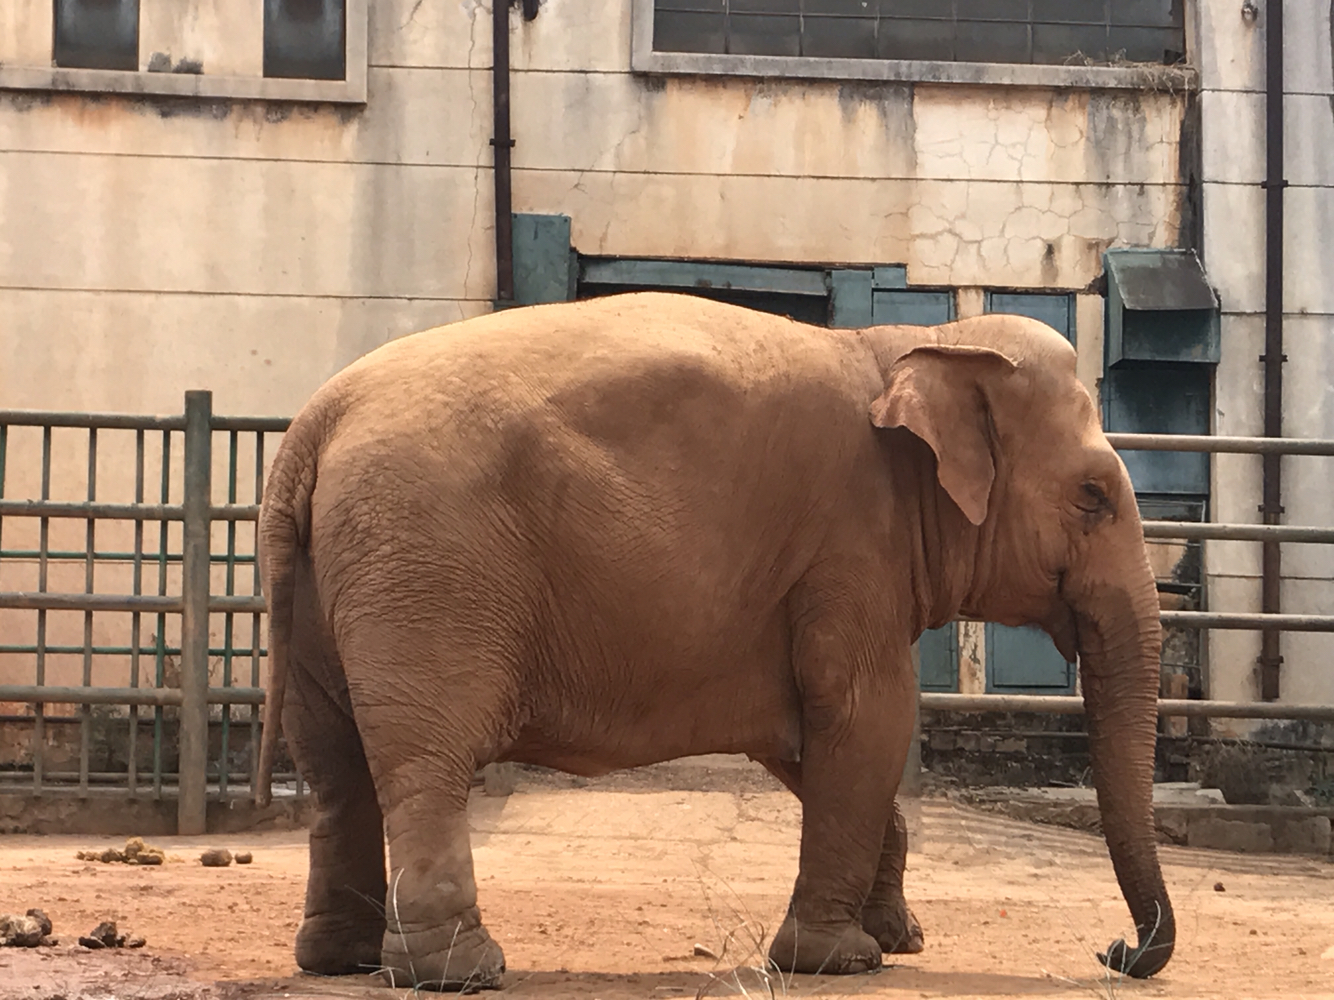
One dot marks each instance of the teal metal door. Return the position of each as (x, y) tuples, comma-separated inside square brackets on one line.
[(869, 298), (1025, 660)]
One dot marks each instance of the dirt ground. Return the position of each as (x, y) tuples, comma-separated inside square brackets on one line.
[(601, 890)]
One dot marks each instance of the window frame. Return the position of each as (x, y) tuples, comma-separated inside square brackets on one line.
[(644, 59), (351, 90)]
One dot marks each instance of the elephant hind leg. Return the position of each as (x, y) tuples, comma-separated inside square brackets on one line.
[(343, 925), (885, 914), (426, 731)]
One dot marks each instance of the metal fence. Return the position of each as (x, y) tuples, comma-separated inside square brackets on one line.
[(94, 574), (122, 552)]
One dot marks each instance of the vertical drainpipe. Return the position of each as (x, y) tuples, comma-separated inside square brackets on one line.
[(502, 142), (1274, 183)]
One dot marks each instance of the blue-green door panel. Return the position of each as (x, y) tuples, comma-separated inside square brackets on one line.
[(1057, 311), (911, 307), (1025, 659), (938, 655)]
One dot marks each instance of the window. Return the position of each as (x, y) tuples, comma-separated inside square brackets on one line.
[(266, 50), (305, 39), (97, 34), (1050, 32)]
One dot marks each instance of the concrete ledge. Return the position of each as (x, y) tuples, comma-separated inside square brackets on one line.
[(116, 815), (1212, 825)]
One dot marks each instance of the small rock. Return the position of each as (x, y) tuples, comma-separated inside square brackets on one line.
[(703, 952), (243, 858), (91, 942), (48, 942), (41, 917), (1218, 887), (20, 932), (135, 942), (217, 857)]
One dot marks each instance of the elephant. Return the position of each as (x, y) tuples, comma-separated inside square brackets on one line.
[(607, 533)]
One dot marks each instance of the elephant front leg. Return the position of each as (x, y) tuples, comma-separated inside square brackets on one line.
[(856, 723), (343, 925), (885, 914)]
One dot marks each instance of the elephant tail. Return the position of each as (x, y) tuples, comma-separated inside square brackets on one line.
[(284, 529)]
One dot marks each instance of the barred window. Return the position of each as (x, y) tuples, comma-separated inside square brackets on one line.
[(994, 31)]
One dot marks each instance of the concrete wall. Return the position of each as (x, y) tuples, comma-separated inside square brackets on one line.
[(1232, 105), (150, 245)]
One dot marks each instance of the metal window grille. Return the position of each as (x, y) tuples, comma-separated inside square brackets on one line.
[(993, 31), (97, 34), (305, 39)]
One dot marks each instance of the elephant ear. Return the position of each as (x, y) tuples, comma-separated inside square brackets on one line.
[(939, 393)]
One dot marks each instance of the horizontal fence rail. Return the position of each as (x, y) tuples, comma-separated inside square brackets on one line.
[(1167, 707), (1221, 445), (191, 584)]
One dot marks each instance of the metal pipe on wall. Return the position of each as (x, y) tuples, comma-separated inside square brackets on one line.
[(1271, 508), (502, 143)]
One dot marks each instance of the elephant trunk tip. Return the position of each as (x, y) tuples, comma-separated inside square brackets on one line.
[(1156, 944)]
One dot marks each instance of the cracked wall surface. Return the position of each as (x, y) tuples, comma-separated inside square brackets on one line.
[(258, 247)]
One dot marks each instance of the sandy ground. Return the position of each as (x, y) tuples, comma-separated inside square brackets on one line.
[(602, 892)]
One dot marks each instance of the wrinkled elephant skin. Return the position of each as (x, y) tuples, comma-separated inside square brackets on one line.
[(602, 534)]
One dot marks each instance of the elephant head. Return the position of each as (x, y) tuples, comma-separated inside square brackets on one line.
[(1039, 524)]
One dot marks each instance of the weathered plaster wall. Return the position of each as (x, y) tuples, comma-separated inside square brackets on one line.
[(1232, 66), (149, 245), (255, 248)]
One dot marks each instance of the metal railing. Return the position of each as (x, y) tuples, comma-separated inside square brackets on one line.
[(1188, 531), (185, 570), (182, 526)]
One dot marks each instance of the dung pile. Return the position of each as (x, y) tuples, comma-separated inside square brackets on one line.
[(135, 852), (106, 935), (27, 931)]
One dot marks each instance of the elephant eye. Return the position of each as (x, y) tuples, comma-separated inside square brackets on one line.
[(1093, 499)]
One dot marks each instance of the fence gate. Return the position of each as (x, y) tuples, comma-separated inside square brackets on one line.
[(130, 607)]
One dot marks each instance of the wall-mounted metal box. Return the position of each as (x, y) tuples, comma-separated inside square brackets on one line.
[(1159, 308)]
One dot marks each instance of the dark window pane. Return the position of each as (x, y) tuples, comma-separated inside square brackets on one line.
[(1071, 11), (1060, 43), (844, 8), (1148, 13), (915, 8), (980, 41), (990, 10), (97, 34), (1150, 45), (689, 32), (764, 6), (915, 40), (839, 37), (717, 6), (764, 35), (305, 39)]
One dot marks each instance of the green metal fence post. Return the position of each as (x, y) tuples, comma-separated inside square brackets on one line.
[(193, 782)]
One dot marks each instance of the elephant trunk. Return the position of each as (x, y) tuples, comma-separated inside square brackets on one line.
[(1119, 648)]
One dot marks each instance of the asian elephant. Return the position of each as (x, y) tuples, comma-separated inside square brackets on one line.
[(602, 534)]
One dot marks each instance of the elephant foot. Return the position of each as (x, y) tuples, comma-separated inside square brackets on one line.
[(459, 956), (831, 949), (330, 945), (893, 925)]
